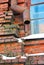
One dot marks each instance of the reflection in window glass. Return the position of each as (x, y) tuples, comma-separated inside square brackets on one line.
[(36, 1), (36, 26), (37, 11)]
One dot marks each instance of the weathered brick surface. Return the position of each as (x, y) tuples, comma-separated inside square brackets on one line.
[(34, 46), (41, 41), (4, 7), (13, 47), (3, 1), (23, 4), (34, 49), (20, 1), (21, 33), (36, 60), (5, 16), (12, 64)]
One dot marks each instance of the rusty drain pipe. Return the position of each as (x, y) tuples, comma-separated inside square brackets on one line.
[(25, 11), (21, 9)]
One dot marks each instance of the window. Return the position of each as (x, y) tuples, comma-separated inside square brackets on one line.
[(36, 1), (37, 26), (37, 16), (37, 11), (34, 27)]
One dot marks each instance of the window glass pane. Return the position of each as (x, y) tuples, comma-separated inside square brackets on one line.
[(34, 27), (37, 11), (36, 1), (37, 26)]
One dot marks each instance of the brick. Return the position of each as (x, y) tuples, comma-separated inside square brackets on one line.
[(37, 60), (20, 1), (23, 4), (35, 42), (34, 49), (19, 64), (3, 7), (3, 1), (2, 16), (9, 13), (22, 60), (4, 21), (9, 47), (1, 19), (8, 17), (1, 12)]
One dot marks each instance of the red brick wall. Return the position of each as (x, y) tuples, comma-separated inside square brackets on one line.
[(34, 46), (13, 47), (37, 47), (17, 64), (34, 41), (11, 64), (34, 49), (3, 1), (20, 1), (36, 60)]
